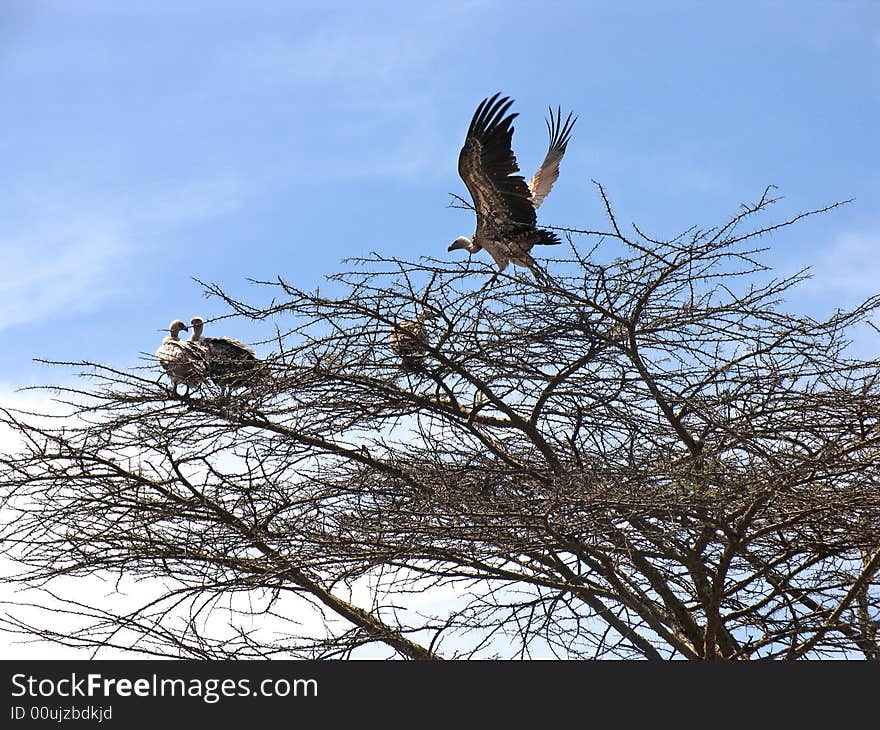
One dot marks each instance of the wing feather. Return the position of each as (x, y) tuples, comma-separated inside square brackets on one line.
[(229, 347), (232, 362), (488, 167), (184, 361), (541, 184)]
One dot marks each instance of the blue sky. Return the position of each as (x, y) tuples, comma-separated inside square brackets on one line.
[(145, 143)]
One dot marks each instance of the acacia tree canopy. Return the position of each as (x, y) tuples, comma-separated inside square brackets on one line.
[(639, 454)]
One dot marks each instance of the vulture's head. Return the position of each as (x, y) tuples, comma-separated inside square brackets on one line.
[(175, 327), (463, 242), (197, 323)]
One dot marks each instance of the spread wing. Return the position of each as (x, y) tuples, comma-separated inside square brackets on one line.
[(546, 175), (488, 167)]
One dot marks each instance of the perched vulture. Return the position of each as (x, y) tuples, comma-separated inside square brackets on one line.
[(183, 362), (408, 340), (230, 363), (504, 203)]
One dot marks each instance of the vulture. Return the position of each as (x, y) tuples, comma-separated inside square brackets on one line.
[(229, 363), (183, 362), (408, 340), (504, 203)]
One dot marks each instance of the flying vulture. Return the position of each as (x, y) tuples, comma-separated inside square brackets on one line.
[(504, 203), (229, 363), (183, 362)]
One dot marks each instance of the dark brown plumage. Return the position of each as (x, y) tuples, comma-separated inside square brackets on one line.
[(229, 363)]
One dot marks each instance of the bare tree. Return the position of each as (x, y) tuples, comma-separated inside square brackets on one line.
[(638, 454)]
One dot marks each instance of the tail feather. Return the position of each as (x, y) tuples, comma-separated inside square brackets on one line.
[(547, 238)]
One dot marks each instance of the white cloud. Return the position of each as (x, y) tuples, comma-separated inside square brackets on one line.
[(109, 593), (851, 266), (68, 255), (14, 646), (60, 266)]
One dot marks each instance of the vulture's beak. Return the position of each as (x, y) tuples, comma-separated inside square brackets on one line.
[(460, 242)]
